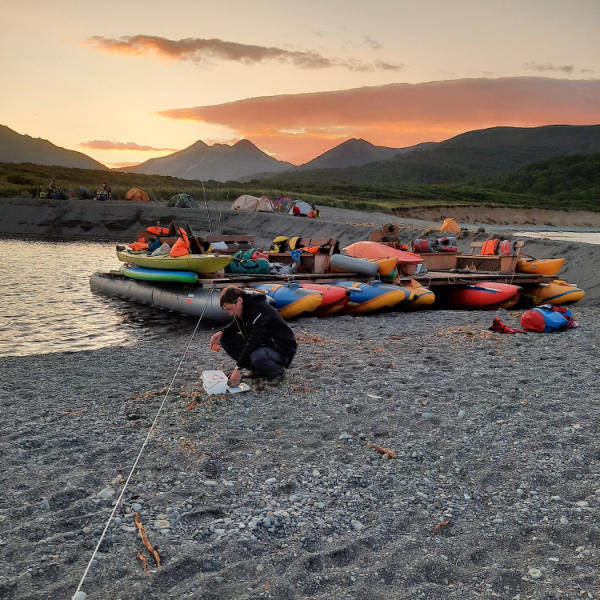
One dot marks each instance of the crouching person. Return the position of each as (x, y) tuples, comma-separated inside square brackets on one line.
[(257, 339)]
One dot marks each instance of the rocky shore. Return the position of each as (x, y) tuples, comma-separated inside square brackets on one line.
[(493, 490)]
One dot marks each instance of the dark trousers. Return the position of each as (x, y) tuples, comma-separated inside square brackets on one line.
[(265, 360)]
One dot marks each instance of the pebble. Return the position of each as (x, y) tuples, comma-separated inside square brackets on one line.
[(564, 521), (270, 481), (210, 483), (534, 573), (161, 523), (106, 494), (427, 416)]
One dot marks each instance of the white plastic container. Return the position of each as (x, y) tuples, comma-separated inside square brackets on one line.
[(214, 382)]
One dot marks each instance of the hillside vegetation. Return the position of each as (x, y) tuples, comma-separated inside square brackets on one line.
[(571, 182)]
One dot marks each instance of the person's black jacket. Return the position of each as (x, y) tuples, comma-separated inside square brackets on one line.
[(261, 325)]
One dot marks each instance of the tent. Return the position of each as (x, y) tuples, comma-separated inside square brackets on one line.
[(304, 207), (253, 204), (449, 225), (282, 203), (182, 201), (137, 195)]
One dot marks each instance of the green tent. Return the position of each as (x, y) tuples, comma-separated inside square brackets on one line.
[(182, 201)]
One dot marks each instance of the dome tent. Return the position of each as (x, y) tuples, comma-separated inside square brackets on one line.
[(304, 207), (137, 195), (182, 201), (449, 225), (253, 204)]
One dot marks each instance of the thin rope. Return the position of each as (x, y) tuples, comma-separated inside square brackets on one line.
[(117, 503)]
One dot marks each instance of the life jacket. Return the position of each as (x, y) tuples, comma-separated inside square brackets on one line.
[(446, 244), (507, 248), (546, 318), (280, 244), (422, 246), (137, 246), (161, 231), (182, 246), (490, 247), (294, 244)]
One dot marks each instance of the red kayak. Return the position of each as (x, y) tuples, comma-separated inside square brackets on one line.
[(485, 295), (334, 298)]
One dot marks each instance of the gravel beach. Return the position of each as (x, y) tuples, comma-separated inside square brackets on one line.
[(493, 491)]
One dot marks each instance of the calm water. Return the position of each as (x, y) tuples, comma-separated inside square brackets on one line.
[(46, 303)]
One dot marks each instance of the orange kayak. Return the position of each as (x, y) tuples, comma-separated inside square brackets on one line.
[(368, 249)]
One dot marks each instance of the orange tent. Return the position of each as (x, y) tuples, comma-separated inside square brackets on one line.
[(136, 194), (450, 225)]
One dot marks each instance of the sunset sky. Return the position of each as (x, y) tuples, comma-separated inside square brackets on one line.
[(135, 79)]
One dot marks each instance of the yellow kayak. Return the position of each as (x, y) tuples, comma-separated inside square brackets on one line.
[(198, 263), (557, 293), (540, 266)]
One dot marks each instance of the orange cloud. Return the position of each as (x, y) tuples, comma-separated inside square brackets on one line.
[(203, 51), (108, 145), (298, 127)]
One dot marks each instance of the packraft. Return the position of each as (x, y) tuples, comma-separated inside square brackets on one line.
[(547, 318)]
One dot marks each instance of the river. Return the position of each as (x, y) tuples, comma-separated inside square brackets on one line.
[(47, 304)]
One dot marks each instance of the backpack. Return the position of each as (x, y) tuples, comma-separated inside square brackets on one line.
[(422, 246), (446, 244), (260, 266), (547, 318), (507, 248)]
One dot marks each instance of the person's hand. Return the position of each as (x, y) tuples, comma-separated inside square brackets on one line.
[(235, 378), (215, 341)]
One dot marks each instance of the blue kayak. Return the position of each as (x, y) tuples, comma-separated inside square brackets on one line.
[(144, 274)]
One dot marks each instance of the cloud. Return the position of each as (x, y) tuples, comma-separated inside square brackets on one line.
[(298, 127), (205, 51), (108, 145), (543, 68)]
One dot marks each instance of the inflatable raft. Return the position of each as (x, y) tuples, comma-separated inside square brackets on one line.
[(198, 263), (144, 274), (485, 295), (540, 266), (190, 301), (366, 297), (334, 298), (556, 293), (291, 299), (423, 296), (405, 261)]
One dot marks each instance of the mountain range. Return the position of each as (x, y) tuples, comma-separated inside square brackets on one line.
[(17, 148), (487, 152)]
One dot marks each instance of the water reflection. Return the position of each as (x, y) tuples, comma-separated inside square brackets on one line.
[(47, 304)]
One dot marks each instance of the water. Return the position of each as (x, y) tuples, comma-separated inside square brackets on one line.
[(46, 304), (586, 237)]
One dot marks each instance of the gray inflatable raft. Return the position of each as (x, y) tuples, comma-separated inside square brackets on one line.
[(187, 300)]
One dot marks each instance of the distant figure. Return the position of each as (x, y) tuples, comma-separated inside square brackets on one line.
[(52, 186), (83, 194), (107, 191)]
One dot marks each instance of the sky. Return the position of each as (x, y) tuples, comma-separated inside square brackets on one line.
[(129, 80)]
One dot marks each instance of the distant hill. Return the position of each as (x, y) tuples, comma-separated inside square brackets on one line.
[(354, 153), (219, 162), (574, 176), (17, 148), (487, 152)]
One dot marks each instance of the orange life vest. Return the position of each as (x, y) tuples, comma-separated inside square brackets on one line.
[(490, 247), (182, 246)]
